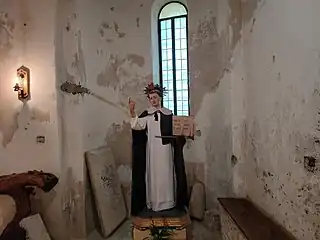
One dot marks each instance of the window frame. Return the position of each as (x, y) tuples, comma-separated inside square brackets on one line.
[(174, 53)]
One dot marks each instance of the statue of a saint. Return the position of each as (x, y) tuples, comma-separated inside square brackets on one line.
[(158, 171)]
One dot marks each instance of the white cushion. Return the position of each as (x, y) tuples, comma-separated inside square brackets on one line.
[(7, 211)]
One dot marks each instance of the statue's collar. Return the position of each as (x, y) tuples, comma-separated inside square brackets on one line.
[(163, 110)]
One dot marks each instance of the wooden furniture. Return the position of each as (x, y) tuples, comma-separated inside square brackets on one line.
[(7, 211), (242, 220), (142, 225)]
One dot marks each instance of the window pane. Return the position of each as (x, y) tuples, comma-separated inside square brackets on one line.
[(170, 75), (165, 84), (169, 54), (164, 65), (164, 75), (177, 44), (185, 95), (185, 105), (184, 64), (163, 34), (177, 23), (164, 55), (168, 33), (171, 105), (178, 75), (166, 104), (170, 95), (183, 43), (163, 25), (168, 24), (183, 22), (179, 95), (180, 113), (183, 33), (178, 53), (184, 85), (170, 67), (163, 44), (179, 85), (179, 105), (184, 54), (177, 34), (184, 74), (169, 44), (178, 64)]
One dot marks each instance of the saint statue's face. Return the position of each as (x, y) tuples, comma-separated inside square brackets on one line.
[(154, 99)]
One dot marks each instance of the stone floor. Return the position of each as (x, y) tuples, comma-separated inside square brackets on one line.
[(199, 232)]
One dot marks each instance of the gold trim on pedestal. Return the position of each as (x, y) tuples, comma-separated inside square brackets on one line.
[(176, 222)]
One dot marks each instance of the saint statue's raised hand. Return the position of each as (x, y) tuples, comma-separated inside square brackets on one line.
[(132, 106)]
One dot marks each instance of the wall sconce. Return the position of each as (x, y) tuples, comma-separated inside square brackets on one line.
[(23, 83)]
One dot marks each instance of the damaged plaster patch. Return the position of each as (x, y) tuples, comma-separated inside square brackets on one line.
[(118, 138), (206, 31), (109, 78), (72, 88), (6, 33), (9, 119), (116, 28), (79, 61), (73, 206), (8, 116), (136, 59), (235, 20), (78, 89), (109, 31), (8, 125), (310, 164), (234, 160), (70, 22), (39, 115), (211, 50), (292, 193), (123, 75)]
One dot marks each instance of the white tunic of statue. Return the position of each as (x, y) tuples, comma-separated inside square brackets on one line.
[(160, 176)]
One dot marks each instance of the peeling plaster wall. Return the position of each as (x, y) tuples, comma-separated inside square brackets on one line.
[(27, 38), (254, 94), (70, 67), (112, 57), (117, 63), (275, 102), (216, 66)]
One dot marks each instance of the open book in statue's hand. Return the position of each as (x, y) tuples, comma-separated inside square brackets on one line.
[(183, 126)]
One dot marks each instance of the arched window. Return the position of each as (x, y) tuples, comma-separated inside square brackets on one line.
[(173, 54)]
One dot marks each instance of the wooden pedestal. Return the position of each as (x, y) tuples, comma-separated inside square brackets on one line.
[(141, 227)]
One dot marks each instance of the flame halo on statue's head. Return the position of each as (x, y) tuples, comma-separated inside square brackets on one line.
[(155, 88)]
